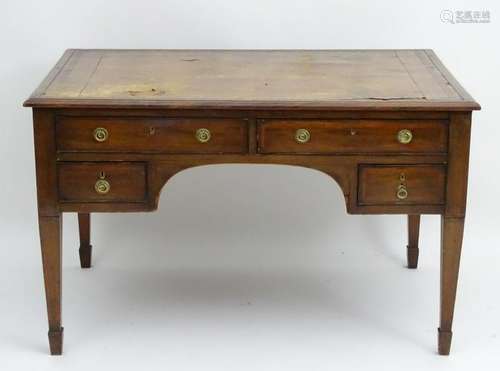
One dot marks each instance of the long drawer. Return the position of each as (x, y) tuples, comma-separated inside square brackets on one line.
[(151, 134), (352, 136)]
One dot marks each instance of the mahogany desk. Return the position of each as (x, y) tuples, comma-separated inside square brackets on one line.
[(391, 127)]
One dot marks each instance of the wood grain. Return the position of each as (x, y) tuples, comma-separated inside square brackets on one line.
[(458, 164), (77, 181), (352, 136), (378, 184), (45, 164), (273, 79), (452, 223), (151, 102), (147, 134)]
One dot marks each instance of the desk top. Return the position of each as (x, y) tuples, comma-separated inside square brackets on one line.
[(252, 79)]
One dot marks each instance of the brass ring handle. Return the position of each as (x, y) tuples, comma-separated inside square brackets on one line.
[(203, 135), (302, 136), (102, 186), (405, 136), (402, 192), (100, 135)]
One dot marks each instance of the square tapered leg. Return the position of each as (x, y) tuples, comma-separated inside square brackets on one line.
[(85, 250), (412, 248), (50, 238)]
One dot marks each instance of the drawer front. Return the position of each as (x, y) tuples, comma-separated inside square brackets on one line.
[(352, 136), (102, 181), (401, 185), (150, 134)]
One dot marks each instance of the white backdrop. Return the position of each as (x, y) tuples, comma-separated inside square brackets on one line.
[(247, 267)]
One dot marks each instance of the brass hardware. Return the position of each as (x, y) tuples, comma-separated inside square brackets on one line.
[(302, 136), (402, 192), (405, 136), (102, 186), (402, 177), (100, 135), (203, 135)]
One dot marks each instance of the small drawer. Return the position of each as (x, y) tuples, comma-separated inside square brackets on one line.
[(151, 134), (401, 185), (352, 136), (102, 181)]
